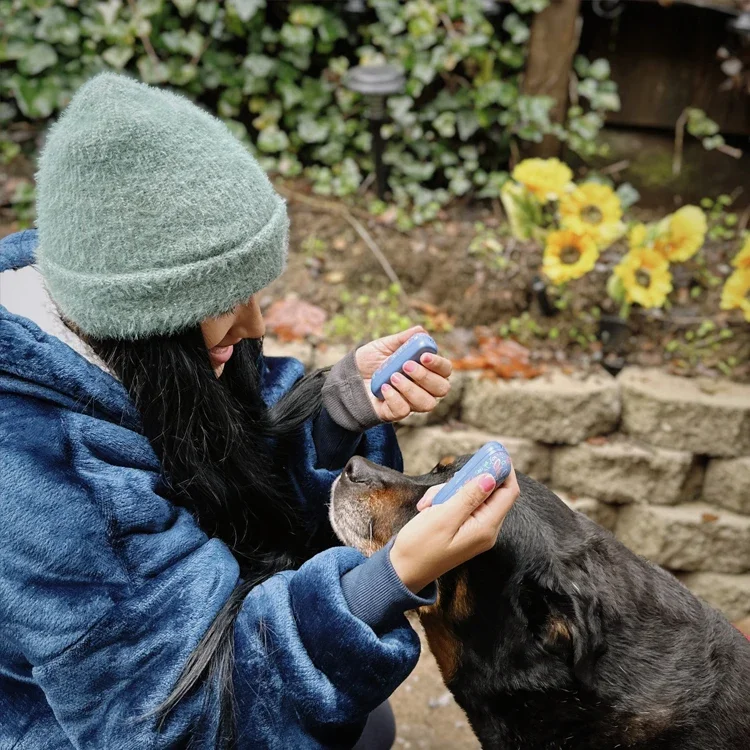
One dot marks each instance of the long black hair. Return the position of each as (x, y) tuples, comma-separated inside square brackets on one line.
[(223, 453)]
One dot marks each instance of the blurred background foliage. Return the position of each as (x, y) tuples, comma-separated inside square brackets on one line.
[(274, 72)]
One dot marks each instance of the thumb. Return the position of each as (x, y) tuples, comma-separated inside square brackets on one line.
[(469, 498), (391, 343)]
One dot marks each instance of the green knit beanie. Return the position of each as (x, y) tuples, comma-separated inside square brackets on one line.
[(151, 215)]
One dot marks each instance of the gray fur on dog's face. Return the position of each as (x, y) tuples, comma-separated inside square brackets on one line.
[(371, 503)]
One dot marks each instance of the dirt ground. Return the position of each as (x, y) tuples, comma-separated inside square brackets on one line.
[(454, 283), (427, 717)]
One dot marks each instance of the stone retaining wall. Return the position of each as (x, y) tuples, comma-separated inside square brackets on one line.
[(661, 461)]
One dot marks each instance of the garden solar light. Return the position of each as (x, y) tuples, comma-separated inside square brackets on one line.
[(539, 289), (376, 83), (608, 8)]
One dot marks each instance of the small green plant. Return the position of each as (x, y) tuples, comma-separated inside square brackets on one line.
[(722, 223), (487, 247), (9, 150), (702, 345), (314, 246), (365, 317), (698, 124)]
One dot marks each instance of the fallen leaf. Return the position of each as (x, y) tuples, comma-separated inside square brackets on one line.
[(388, 216), (709, 517), (292, 319), (504, 358), (424, 307), (334, 277), (440, 322)]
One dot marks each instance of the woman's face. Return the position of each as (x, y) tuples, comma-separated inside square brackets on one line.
[(222, 333)]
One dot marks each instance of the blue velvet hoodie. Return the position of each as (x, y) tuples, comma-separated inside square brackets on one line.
[(106, 587)]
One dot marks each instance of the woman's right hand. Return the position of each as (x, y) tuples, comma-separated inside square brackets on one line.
[(442, 537)]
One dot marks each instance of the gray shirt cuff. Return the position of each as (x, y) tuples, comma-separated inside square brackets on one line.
[(376, 595), (345, 397)]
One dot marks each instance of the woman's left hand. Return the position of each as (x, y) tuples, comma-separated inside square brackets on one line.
[(427, 381)]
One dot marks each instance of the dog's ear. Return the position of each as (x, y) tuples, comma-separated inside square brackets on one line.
[(588, 636), (567, 619)]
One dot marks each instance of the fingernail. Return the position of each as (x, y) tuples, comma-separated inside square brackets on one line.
[(427, 358), (487, 482), (397, 377), (410, 366), (386, 388)]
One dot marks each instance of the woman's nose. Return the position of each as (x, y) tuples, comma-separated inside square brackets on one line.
[(249, 323)]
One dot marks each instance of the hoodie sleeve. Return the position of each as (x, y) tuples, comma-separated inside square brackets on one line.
[(319, 460), (106, 589)]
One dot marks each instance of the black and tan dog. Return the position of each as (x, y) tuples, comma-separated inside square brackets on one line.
[(560, 638)]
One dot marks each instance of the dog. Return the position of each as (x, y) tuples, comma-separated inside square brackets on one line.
[(560, 638)]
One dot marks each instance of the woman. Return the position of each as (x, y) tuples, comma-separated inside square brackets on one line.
[(167, 572)]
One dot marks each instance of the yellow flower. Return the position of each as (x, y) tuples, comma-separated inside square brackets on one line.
[(638, 236), (742, 259), (545, 178), (593, 209), (736, 292), (645, 277), (568, 256), (682, 234)]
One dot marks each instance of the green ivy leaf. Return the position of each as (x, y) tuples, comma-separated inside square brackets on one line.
[(117, 57), (246, 9), (151, 71), (307, 15), (185, 7), (36, 97), (467, 123), (495, 92), (291, 94), (296, 36), (56, 28), (713, 142), (518, 30), (599, 69), (311, 130), (37, 58), (273, 140), (530, 6), (260, 66), (628, 195), (109, 10), (445, 124)]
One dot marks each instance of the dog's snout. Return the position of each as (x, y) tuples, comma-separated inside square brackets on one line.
[(356, 470)]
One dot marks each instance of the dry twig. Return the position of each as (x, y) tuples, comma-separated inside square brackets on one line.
[(344, 213)]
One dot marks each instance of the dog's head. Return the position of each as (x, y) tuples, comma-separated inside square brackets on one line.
[(508, 587), (371, 503)]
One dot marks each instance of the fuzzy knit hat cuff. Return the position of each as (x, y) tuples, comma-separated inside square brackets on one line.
[(138, 304), (152, 216)]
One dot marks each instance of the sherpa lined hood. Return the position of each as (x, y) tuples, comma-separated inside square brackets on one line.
[(32, 361)]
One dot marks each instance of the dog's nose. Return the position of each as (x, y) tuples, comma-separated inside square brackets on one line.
[(356, 470)]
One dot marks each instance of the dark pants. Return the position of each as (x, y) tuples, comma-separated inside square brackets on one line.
[(380, 731)]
